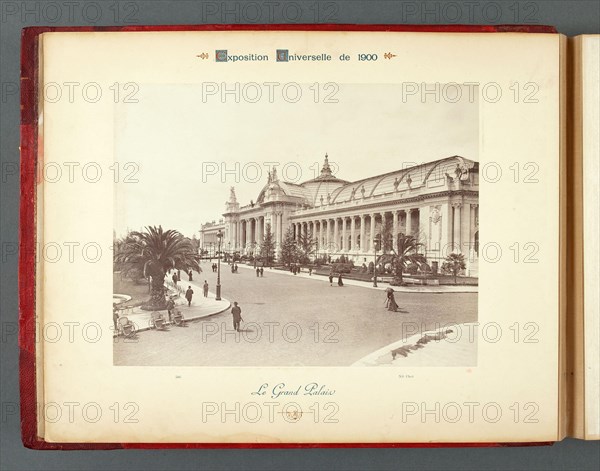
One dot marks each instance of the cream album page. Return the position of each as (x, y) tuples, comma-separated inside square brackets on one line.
[(306, 237)]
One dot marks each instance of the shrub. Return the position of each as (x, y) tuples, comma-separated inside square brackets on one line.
[(342, 267)]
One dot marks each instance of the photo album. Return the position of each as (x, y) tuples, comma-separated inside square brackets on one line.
[(309, 236)]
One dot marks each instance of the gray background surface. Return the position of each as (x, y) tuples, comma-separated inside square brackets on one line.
[(569, 17)]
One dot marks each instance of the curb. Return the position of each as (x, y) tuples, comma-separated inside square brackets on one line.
[(383, 287), (144, 329)]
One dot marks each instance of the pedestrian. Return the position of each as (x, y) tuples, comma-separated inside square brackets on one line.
[(391, 301), (340, 282), (262, 271), (232, 268), (205, 289), (188, 295), (330, 278), (174, 278), (178, 275), (170, 307), (257, 272), (309, 271), (191, 274), (116, 316), (236, 311), (236, 267)]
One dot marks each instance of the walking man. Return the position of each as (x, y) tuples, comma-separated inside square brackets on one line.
[(236, 311), (188, 295), (174, 278), (330, 278), (190, 274), (115, 316), (170, 307), (257, 272), (262, 271), (205, 289)]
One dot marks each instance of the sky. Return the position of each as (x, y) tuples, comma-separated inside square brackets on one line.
[(186, 150)]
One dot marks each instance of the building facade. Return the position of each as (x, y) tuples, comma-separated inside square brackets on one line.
[(436, 202)]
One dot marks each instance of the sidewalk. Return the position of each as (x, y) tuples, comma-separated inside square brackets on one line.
[(369, 284), (201, 307), (459, 349)]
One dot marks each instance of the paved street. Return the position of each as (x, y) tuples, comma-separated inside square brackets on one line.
[(293, 321)]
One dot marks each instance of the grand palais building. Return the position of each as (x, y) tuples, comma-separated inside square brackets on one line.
[(437, 202)]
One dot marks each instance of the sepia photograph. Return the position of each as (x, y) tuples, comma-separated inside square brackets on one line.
[(292, 224)]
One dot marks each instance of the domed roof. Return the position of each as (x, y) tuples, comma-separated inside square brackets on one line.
[(323, 187)]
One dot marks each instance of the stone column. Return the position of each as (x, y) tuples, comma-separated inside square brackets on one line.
[(320, 235), (363, 245), (280, 225), (352, 234), (233, 234), (344, 240), (456, 227), (381, 241), (328, 233), (336, 235), (409, 222), (371, 242), (466, 236), (395, 229), (417, 225)]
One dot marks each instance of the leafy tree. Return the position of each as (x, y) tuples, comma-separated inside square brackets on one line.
[(289, 250), (454, 263), (306, 246), (196, 242), (267, 246), (155, 251), (135, 274)]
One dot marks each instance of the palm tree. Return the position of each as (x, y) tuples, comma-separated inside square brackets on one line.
[(155, 251), (406, 253)]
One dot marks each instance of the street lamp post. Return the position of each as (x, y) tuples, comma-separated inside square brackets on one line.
[(218, 297), (375, 242)]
